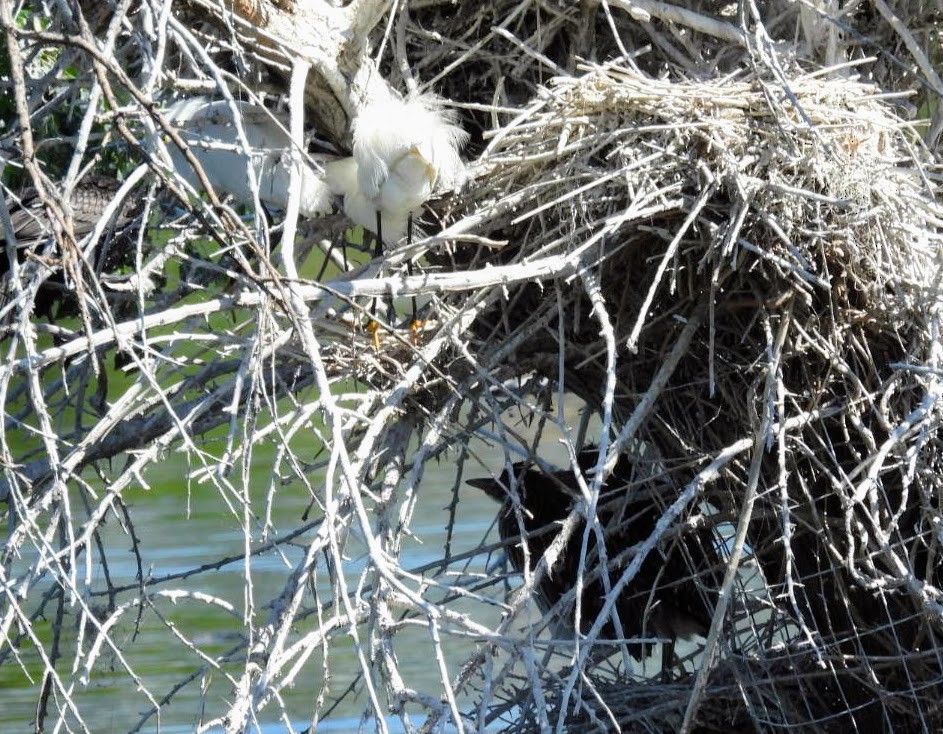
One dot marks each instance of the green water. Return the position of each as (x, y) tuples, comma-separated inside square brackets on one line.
[(179, 528)]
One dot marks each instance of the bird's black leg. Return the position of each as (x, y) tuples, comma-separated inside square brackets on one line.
[(409, 267), (327, 259), (668, 660), (378, 248), (373, 327), (388, 299), (415, 324)]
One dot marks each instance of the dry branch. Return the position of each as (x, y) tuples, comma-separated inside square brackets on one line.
[(718, 234)]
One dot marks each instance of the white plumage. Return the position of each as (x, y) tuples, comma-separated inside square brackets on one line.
[(209, 129), (404, 150)]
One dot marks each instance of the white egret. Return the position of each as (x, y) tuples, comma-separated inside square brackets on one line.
[(404, 151), (209, 129)]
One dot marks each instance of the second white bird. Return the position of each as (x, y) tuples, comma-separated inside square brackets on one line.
[(209, 129)]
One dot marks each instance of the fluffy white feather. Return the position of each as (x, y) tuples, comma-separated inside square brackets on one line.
[(404, 150), (210, 131)]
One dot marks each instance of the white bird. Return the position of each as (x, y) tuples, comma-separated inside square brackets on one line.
[(404, 150), (209, 129)]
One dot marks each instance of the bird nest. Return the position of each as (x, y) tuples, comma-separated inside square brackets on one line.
[(697, 254), (750, 292)]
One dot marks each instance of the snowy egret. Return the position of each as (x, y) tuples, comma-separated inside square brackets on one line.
[(209, 128), (670, 596), (404, 151)]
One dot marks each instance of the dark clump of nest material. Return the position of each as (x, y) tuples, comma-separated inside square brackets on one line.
[(47, 265), (748, 281), (672, 590)]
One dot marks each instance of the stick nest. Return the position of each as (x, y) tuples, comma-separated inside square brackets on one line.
[(715, 238), (757, 268)]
